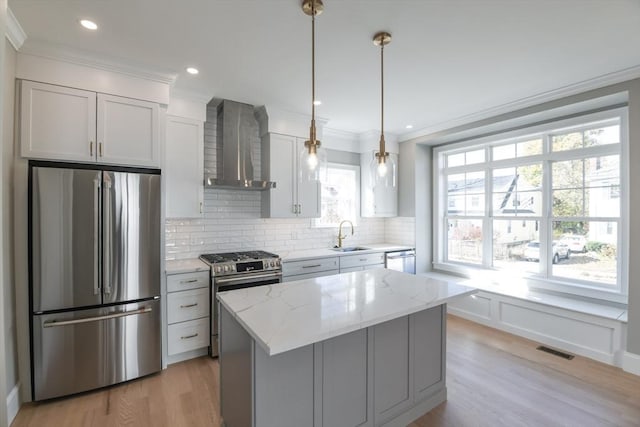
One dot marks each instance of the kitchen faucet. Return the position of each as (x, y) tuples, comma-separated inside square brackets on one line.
[(340, 236)]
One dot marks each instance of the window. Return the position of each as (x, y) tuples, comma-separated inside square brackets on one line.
[(340, 195), (561, 182)]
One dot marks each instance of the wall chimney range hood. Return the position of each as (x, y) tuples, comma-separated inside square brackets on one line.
[(236, 128)]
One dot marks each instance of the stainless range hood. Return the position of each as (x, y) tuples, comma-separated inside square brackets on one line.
[(236, 128)]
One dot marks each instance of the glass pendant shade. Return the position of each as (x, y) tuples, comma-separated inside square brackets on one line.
[(312, 163), (384, 171)]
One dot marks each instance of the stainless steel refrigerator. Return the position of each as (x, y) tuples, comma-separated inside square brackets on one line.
[(94, 282)]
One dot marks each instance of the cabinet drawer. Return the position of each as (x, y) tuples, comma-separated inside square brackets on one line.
[(187, 305), (185, 281), (361, 260), (309, 266), (309, 275), (188, 336)]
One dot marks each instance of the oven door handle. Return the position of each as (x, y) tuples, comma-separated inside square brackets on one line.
[(247, 278)]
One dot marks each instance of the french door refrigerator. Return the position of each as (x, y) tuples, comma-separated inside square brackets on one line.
[(94, 276)]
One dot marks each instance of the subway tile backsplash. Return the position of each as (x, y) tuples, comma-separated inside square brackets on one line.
[(231, 221)]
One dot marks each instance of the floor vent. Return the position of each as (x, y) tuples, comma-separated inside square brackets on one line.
[(556, 352)]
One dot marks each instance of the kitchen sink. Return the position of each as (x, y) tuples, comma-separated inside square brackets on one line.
[(350, 249)]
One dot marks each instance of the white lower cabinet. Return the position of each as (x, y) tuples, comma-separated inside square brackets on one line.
[(308, 269), (361, 262), (188, 313)]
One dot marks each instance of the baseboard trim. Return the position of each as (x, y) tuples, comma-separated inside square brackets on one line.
[(13, 403), (631, 363)]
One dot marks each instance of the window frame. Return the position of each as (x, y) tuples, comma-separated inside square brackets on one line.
[(315, 222), (544, 278)]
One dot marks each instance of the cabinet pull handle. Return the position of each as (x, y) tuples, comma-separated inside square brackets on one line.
[(363, 259), (188, 281), (299, 209), (200, 207), (188, 305), (186, 337), (100, 148), (91, 148), (311, 266)]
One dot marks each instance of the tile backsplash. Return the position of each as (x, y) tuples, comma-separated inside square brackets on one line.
[(231, 220)]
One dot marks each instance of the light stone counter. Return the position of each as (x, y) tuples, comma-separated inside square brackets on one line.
[(328, 252), (290, 315), (185, 266)]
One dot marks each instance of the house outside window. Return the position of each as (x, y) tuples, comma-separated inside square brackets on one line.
[(563, 182)]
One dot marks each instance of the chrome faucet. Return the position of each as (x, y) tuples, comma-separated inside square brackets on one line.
[(340, 236)]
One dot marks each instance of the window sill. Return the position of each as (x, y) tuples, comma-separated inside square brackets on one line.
[(523, 291)]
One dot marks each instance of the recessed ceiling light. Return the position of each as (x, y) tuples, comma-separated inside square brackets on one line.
[(192, 70), (89, 25), (317, 102), (409, 126)]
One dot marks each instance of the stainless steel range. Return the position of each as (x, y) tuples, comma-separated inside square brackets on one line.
[(238, 270)]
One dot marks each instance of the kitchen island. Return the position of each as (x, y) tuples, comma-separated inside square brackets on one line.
[(365, 348)]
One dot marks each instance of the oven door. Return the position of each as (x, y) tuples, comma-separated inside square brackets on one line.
[(240, 281)]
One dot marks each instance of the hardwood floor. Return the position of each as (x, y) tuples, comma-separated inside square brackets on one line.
[(493, 379)]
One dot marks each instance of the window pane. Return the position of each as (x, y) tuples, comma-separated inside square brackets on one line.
[(568, 203), (339, 196), (456, 205), (515, 244), (602, 171), (568, 141), (501, 152), (465, 240), (455, 160), (592, 251), (476, 156), (474, 183), (569, 174), (529, 148), (601, 202), (455, 183), (602, 136)]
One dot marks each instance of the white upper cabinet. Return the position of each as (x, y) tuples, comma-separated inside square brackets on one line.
[(61, 123), (127, 131), (376, 201), (57, 122), (291, 198), (184, 167)]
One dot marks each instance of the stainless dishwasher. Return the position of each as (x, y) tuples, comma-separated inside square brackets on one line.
[(404, 261)]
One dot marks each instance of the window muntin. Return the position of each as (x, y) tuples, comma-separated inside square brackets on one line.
[(572, 188)]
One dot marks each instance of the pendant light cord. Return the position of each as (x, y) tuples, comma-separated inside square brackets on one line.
[(382, 141), (313, 71)]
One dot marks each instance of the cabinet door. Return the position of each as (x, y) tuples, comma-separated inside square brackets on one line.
[(282, 161), (308, 192), (57, 122), (184, 167), (127, 131), (429, 351)]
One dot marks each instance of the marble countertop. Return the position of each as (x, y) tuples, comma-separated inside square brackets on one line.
[(289, 315), (327, 252), (185, 266)]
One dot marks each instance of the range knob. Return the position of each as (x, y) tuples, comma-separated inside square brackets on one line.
[(272, 264), (218, 269), (233, 267), (226, 268), (278, 262)]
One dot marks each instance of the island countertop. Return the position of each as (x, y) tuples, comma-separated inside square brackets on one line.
[(286, 316)]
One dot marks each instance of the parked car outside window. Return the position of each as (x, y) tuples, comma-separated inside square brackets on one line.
[(575, 242), (560, 251)]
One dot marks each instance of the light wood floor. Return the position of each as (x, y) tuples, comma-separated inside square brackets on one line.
[(493, 379)]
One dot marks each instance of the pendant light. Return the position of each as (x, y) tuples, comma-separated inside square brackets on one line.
[(313, 160), (383, 167)]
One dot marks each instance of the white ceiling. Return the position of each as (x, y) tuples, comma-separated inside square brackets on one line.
[(448, 58)]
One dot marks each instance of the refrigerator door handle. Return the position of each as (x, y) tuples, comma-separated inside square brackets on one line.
[(96, 237), (107, 237), (54, 323)]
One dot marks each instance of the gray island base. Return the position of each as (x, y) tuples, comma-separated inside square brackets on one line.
[(373, 354)]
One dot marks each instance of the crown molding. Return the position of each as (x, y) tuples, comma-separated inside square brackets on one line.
[(190, 95), (552, 95), (337, 133), (15, 34), (87, 59)]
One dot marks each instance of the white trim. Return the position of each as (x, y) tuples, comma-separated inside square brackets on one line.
[(552, 95), (15, 34), (87, 59), (631, 363), (13, 403)]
